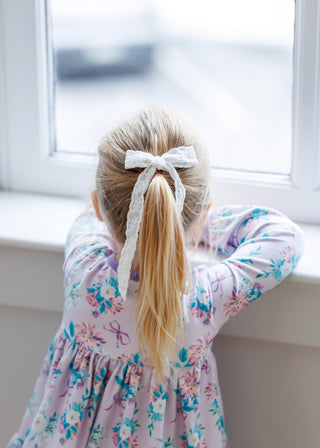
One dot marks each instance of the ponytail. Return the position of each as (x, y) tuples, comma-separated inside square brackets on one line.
[(164, 273)]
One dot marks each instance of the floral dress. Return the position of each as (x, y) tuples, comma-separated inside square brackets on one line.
[(96, 390)]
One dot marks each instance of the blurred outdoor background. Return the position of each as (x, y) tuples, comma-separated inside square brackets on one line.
[(227, 66)]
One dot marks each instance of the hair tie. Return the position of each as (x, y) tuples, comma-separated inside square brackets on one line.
[(181, 157), (156, 174)]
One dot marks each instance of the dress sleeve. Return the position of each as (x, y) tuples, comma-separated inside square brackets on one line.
[(87, 237), (262, 247)]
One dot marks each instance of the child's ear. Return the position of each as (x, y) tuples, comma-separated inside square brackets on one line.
[(94, 197)]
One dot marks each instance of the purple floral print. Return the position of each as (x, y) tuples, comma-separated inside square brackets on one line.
[(96, 390)]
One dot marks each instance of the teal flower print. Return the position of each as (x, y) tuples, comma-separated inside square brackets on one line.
[(201, 305), (189, 385), (241, 297), (72, 417), (193, 437), (280, 268), (105, 297), (71, 290), (157, 404), (124, 432), (97, 435), (212, 395), (43, 426)]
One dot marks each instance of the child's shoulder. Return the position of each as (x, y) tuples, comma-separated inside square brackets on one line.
[(88, 240)]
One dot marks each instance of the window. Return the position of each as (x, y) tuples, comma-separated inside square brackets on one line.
[(246, 73), (231, 73)]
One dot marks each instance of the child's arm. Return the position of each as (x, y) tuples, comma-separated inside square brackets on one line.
[(263, 247)]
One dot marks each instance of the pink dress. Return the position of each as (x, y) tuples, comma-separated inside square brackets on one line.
[(95, 390)]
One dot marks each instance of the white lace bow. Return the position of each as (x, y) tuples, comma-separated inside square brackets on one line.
[(181, 157)]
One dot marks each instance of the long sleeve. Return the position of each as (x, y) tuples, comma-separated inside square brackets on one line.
[(262, 246), (87, 237)]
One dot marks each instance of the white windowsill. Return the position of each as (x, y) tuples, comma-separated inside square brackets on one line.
[(41, 222)]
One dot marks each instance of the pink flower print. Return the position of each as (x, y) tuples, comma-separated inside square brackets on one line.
[(132, 441), (238, 264), (235, 303), (189, 383), (123, 358), (134, 358), (259, 214), (250, 223), (91, 299), (205, 366), (134, 373), (57, 370), (201, 306), (116, 306), (289, 254), (257, 285), (153, 392), (82, 360), (57, 366), (75, 253), (157, 393), (59, 342), (105, 297), (198, 349), (115, 437), (61, 427), (197, 312), (211, 392), (86, 334), (147, 362), (123, 436)]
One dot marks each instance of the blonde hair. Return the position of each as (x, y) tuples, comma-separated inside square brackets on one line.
[(164, 273)]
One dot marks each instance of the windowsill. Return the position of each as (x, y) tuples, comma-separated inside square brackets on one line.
[(41, 222)]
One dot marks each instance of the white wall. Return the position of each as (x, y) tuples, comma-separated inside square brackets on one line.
[(26, 336), (270, 383), (271, 393)]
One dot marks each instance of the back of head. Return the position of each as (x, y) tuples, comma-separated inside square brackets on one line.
[(164, 267)]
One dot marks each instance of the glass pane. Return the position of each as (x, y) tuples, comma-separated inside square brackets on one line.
[(225, 65)]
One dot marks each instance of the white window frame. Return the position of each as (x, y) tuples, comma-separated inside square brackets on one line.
[(25, 160)]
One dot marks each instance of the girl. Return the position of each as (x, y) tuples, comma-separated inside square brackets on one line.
[(131, 364)]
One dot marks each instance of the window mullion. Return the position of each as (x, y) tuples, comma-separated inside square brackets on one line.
[(305, 99), (316, 185), (4, 166)]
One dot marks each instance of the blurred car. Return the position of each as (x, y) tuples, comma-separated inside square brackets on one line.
[(102, 36)]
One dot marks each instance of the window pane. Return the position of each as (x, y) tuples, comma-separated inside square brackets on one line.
[(225, 65)]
